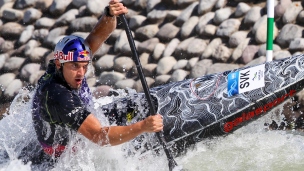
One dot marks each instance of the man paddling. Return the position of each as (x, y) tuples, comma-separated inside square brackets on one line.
[(60, 105)]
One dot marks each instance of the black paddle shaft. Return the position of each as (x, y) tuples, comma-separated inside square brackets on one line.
[(135, 57)]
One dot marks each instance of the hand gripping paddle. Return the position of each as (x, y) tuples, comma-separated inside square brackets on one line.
[(171, 161)]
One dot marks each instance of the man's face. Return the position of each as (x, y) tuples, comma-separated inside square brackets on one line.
[(73, 73)]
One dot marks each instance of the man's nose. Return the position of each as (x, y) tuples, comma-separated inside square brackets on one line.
[(81, 71)]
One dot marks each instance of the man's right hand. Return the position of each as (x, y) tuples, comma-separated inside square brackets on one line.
[(153, 123)]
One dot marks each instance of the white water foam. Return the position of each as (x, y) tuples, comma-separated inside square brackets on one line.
[(249, 148)]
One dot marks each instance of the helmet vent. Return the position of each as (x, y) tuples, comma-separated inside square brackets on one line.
[(70, 44), (66, 41)]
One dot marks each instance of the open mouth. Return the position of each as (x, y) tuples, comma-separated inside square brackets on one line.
[(78, 80)]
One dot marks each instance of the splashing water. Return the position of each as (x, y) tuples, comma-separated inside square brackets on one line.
[(249, 148)]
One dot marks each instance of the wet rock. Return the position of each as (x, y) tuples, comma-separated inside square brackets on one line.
[(196, 47), (31, 15), (123, 84), (43, 5), (79, 3), (236, 38), (144, 58), (249, 53), (228, 27), (21, 4), (44, 22), (241, 9), (156, 15), (179, 75), (40, 34), (123, 64), (167, 32), (29, 69), (188, 27), (180, 64), (67, 18), (3, 58), (6, 46), (262, 49), (146, 32), (186, 14), (191, 63), (84, 24), (257, 61), (280, 54), (158, 51), (13, 63), (54, 35), (203, 21), (205, 6), (121, 40), (200, 68), (259, 30), (209, 30), (281, 7), (162, 79), (96, 7), (221, 53), (252, 15), (136, 21), (13, 88), (222, 15), (148, 45), (26, 34), (6, 79), (11, 30), (101, 91), (181, 49), (152, 4), (171, 47), (58, 7), (102, 51), (165, 65), (38, 54), (105, 63), (110, 78), (34, 77), (210, 48), (12, 14), (221, 67), (238, 51), (292, 12), (297, 45), (149, 69), (288, 33)]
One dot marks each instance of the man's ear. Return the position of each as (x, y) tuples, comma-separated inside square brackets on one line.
[(57, 63)]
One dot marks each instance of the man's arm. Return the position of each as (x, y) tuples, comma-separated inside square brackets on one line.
[(114, 135), (105, 26)]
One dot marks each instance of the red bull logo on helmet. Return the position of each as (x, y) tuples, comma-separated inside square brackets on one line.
[(61, 56), (82, 56)]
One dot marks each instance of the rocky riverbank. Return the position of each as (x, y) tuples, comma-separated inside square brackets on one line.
[(175, 39)]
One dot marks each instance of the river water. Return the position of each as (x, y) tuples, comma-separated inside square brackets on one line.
[(249, 148)]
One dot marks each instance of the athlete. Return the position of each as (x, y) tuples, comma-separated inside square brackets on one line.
[(61, 105)]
